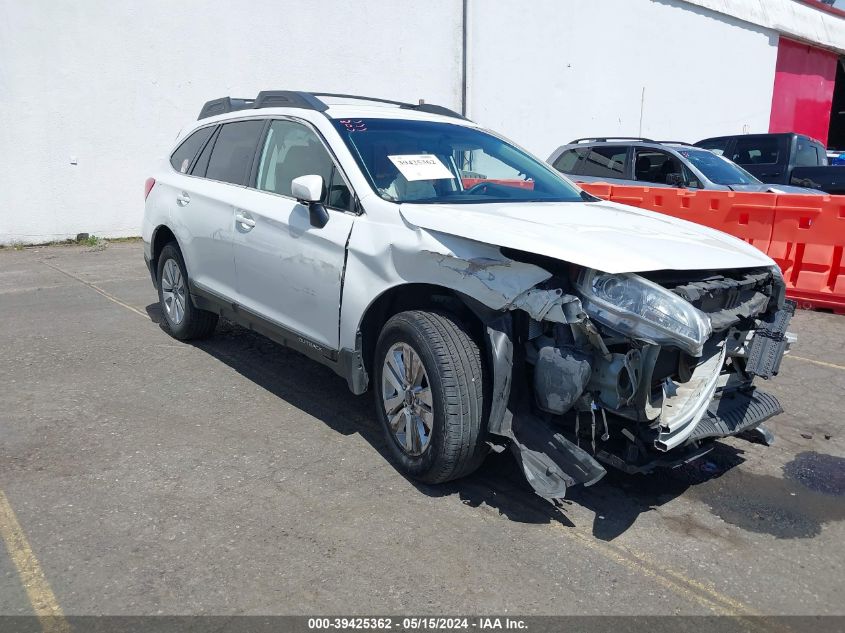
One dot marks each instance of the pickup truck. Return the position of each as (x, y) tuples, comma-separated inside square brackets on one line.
[(785, 159)]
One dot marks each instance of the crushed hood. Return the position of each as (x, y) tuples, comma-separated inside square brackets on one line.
[(603, 235)]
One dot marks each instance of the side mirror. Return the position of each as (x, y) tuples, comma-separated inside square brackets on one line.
[(309, 191)]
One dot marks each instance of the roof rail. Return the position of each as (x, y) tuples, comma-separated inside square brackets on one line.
[(308, 101), (421, 106), (289, 99), (605, 139), (224, 104), (675, 143)]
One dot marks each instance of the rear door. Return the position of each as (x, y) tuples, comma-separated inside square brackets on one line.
[(289, 272), (206, 203)]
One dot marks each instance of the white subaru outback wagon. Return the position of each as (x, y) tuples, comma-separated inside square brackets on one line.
[(486, 301)]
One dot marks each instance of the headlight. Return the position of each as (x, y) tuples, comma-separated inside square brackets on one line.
[(638, 308)]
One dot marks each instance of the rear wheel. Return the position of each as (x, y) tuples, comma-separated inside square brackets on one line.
[(429, 396), (183, 319)]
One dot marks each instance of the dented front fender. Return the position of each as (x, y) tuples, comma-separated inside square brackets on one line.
[(473, 269)]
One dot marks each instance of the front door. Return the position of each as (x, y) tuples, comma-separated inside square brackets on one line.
[(289, 272)]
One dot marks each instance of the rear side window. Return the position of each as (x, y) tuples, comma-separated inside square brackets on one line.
[(184, 154), (822, 154), (231, 158), (201, 163), (604, 162), (567, 161), (756, 151), (806, 155)]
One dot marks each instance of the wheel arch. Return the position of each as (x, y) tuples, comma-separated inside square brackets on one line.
[(162, 235), (419, 296)]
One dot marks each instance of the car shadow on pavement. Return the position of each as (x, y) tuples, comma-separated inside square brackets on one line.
[(617, 500)]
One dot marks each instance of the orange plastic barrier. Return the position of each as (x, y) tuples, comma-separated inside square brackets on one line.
[(510, 182), (804, 234), (807, 243)]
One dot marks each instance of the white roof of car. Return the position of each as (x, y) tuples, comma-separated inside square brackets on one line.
[(341, 107), (342, 111), (378, 111)]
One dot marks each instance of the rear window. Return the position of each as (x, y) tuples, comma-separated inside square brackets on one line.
[(233, 152), (183, 156), (756, 151), (715, 145), (604, 162)]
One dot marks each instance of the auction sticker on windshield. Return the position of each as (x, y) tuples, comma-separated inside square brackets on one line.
[(421, 167)]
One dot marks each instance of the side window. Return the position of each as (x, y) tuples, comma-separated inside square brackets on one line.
[(604, 162), (690, 178), (716, 145), (233, 151), (201, 164), (756, 151), (806, 155), (184, 154), (656, 166), (292, 150), (567, 161)]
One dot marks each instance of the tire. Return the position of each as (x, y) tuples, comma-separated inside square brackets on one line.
[(450, 443), (183, 320)]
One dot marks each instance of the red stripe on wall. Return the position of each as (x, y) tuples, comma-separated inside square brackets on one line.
[(803, 92)]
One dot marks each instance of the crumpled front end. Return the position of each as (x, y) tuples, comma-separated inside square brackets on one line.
[(641, 371)]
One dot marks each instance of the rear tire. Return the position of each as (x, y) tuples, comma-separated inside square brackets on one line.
[(182, 318), (430, 396)]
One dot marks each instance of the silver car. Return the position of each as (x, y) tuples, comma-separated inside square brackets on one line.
[(641, 161)]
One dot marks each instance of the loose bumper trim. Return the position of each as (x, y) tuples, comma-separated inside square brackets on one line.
[(735, 413), (769, 343)]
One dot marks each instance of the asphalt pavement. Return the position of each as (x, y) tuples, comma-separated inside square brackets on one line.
[(143, 475)]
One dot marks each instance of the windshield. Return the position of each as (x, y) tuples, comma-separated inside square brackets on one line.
[(717, 168), (430, 162)]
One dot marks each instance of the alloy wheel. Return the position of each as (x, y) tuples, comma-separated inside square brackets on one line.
[(173, 291), (406, 395)]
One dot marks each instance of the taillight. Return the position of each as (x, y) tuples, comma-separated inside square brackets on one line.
[(148, 186)]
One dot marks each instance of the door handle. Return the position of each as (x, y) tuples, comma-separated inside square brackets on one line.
[(182, 199), (245, 220)]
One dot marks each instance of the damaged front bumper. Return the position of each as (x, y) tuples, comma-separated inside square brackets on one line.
[(592, 396)]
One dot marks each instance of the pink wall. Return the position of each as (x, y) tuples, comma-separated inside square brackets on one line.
[(803, 92)]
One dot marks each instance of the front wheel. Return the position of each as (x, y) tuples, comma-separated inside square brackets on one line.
[(184, 320), (429, 391)]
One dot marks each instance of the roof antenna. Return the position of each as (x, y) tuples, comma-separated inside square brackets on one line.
[(422, 101)]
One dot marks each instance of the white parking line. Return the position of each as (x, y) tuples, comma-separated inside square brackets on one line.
[(96, 288)]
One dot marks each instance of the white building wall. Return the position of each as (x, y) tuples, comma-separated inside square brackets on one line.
[(547, 72), (112, 83)]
